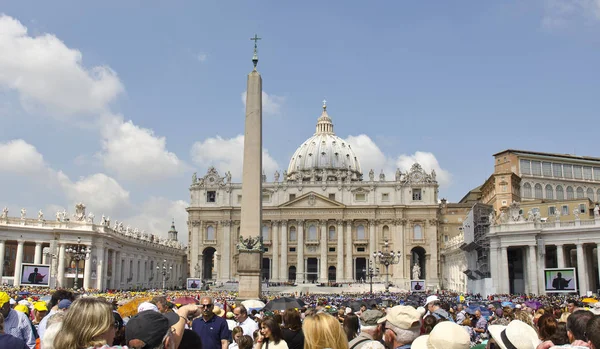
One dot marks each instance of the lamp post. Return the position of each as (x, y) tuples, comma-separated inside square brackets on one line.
[(164, 271), (78, 253), (370, 272), (386, 258)]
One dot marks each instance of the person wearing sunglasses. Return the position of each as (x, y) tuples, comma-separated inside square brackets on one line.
[(213, 330)]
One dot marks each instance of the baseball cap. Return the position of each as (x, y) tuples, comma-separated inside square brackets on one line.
[(22, 308), (370, 317), (40, 306), (402, 316), (431, 299), (4, 298), (147, 306), (149, 327), (64, 304)]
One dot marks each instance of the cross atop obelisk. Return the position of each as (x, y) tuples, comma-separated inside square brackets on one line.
[(255, 57)]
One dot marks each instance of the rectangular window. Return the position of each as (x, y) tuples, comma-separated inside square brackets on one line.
[(211, 196), (445, 238), (568, 171), (565, 210), (266, 197), (445, 228), (292, 197), (292, 249), (239, 199), (504, 188), (557, 170), (551, 211), (535, 210), (597, 173), (536, 168), (332, 196), (385, 197), (587, 173), (266, 249), (547, 169), (525, 166), (582, 208), (577, 172), (360, 197), (332, 249), (416, 194), (360, 249)]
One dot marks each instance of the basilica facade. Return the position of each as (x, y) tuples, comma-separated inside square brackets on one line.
[(322, 220)]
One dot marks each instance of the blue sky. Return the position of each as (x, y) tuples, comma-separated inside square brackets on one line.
[(116, 105)]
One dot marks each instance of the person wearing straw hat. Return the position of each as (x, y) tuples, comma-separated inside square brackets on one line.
[(370, 331), (401, 326), (516, 335), (445, 335)]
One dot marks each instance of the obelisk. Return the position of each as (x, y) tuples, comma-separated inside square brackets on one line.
[(250, 244)]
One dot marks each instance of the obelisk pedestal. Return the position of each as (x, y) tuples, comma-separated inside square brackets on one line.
[(250, 245)]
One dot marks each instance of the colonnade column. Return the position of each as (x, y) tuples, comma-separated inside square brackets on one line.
[(339, 269), (275, 241), (226, 251), (87, 273), (300, 268), (37, 257), (323, 262), (283, 275), (532, 270), (598, 256), (581, 270), (18, 262), (60, 279), (2, 248), (100, 266), (503, 267), (349, 264), (113, 270), (560, 256)]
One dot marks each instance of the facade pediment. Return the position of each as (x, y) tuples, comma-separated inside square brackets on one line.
[(312, 199)]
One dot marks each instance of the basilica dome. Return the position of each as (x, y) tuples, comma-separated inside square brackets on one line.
[(324, 156)]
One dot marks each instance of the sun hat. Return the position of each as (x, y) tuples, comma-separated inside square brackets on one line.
[(147, 306), (445, 335), (370, 317), (402, 316), (595, 309), (149, 327), (431, 299), (4, 298), (517, 335), (218, 311)]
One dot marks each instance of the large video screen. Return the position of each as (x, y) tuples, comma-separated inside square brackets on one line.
[(35, 275), (560, 280), (417, 285), (194, 284)]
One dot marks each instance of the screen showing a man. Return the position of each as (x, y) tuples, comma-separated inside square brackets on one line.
[(35, 277), (418, 286), (194, 284), (560, 283)]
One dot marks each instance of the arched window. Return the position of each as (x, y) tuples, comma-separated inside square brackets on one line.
[(417, 232), (293, 236), (538, 191), (549, 192), (570, 193), (386, 232), (332, 233), (527, 190), (312, 233), (360, 232), (580, 193), (265, 233), (560, 193), (210, 233), (590, 194)]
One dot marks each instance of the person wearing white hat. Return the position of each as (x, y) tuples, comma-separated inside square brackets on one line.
[(433, 305), (445, 335), (517, 335), (402, 326)]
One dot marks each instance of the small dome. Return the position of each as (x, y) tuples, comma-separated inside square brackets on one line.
[(324, 151)]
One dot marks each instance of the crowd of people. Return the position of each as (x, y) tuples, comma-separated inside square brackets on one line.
[(65, 319)]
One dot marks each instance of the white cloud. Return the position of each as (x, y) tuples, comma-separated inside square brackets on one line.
[(156, 214), (560, 13), (20, 157), (202, 57), (99, 191), (135, 153), (227, 155), (371, 157), (49, 76), (271, 104)]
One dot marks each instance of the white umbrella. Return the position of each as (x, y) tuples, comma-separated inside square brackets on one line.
[(253, 304)]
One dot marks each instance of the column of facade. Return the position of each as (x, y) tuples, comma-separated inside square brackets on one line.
[(87, 273), (349, 264), (493, 269), (372, 243), (100, 266), (503, 267), (598, 257), (126, 271), (532, 272), (339, 269), (60, 278), (113, 270), (300, 262), (275, 259), (226, 252), (560, 256), (37, 257), (2, 250), (581, 270), (18, 262), (323, 260), (283, 271), (105, 270)]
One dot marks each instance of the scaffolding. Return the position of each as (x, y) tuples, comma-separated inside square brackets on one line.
[(477, 242)]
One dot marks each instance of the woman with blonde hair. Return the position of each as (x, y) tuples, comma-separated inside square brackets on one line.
[(89, 323), (323, 331)]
